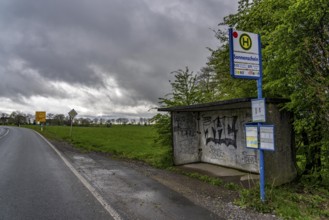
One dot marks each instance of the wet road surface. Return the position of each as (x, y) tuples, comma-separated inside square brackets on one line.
[(36, 184)]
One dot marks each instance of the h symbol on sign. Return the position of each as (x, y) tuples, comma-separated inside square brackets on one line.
[(245, 41)]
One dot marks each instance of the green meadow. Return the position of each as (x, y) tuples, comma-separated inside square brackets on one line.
[(129, 141)]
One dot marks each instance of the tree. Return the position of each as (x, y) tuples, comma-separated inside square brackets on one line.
[(118, 121), (142, 121), (185, 91), (108, 123), (29, 118), (101, 121), (206, 82), (95, 121), (85, 121), (59, 119), (295, 47), (4, 118), (163, 128), (50, 117), (18, 118), (306, 47), (124, 121)]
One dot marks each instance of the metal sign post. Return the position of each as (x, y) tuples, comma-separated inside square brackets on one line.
[(261, 152), (246, 63), (72, 114), (260, 96)]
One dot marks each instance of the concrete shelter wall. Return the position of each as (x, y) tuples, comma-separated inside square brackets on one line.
[(217, 136), (223, 139), (280, 165), (185, 137)]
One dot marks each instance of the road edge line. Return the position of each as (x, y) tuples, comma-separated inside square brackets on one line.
[(93, 191), (5, 133)]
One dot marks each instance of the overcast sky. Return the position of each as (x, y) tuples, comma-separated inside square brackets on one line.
[(100, 57)]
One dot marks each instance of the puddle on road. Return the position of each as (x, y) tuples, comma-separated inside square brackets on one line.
[(145, 195), (105, 172), (83, 159)]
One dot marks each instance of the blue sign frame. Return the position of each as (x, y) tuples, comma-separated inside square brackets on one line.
[(232, 63), (272, 137), (252, 109)]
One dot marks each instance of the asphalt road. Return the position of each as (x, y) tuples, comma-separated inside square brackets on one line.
[(35, 183)]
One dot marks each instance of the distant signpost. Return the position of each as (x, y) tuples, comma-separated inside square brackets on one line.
[(72, 114), (40, 116)]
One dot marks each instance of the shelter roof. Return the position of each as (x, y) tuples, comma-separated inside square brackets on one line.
[(221, 105)]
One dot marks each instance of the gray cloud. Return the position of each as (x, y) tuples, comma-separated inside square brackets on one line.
[(134, 42)]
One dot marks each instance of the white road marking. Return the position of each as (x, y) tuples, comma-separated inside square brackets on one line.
[(93, 191), (5, 133)]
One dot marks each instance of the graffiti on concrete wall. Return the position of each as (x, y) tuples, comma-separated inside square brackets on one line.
[(221, 130), (249, 158), (185, 126), (216, 153), (185, 129)]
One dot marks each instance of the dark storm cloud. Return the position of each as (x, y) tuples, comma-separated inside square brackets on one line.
[(19, 81), (137, 43)]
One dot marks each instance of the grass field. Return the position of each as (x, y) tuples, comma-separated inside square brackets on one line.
[(133, 142)]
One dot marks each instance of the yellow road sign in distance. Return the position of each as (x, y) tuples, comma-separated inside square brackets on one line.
[(40, 116)]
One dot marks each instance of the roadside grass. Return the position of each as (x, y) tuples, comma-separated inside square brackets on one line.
[(290, 201), (306, 199), (130, 141)]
